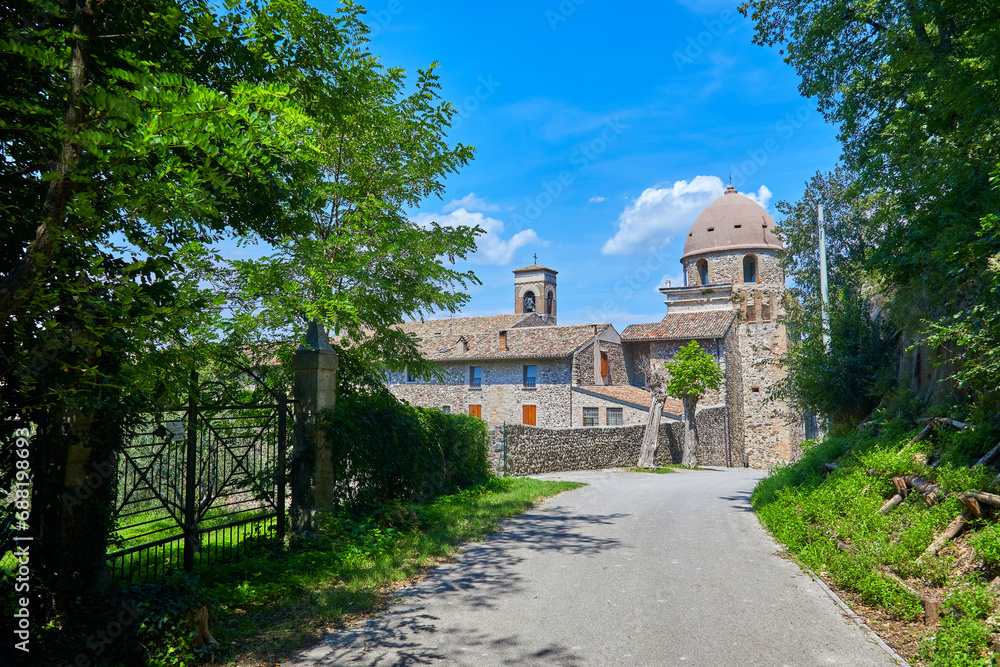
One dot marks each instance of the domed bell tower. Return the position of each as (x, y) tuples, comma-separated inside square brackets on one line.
[(535, 291)]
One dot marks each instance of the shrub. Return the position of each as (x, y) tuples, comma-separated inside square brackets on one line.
[(385, 451)]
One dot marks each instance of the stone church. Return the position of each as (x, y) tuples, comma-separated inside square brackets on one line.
[(525, 368)]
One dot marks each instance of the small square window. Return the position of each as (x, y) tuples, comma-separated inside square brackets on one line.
[(755, 389), (615, 417), (590, 417), (446, 409), (530, 376)]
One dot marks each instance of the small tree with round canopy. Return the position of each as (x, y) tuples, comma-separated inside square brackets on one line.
[(693, 373)]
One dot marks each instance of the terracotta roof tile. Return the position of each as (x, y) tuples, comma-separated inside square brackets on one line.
[(709, 324), (482, 338), (634, 396), (535, 267)]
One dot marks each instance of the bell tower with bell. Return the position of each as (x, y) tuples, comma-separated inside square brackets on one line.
[(535, 291)]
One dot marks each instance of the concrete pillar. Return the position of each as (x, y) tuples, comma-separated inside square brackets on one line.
[(315, 385)]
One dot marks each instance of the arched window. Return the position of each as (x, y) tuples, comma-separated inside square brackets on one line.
[(529, 302), (749, 269), (703, 271), (548, 303)]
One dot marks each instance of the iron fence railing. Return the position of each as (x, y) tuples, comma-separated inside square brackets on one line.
[(200, 485)]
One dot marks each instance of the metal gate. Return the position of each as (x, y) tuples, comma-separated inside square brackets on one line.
[(199, 485)]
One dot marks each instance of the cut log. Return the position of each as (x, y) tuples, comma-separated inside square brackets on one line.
[(972, 505), (895, 501), (932, 605), (953, 529), (938, 421), (931, 492), (923, 433), (988, 498), (989, 457)]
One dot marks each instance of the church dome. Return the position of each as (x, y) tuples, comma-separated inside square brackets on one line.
[(731, 221)]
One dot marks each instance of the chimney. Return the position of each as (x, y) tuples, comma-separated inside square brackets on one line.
[(463, 345), (503, 341)]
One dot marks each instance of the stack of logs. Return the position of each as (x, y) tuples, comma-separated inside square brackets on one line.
[(933, 494)]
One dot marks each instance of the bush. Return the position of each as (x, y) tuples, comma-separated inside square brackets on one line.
[(386, 451)]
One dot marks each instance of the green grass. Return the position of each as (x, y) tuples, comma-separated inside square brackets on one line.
[(664, 469), (268, 606), (810, 515)]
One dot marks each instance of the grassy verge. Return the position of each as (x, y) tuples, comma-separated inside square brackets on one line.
[(267, 607), (664, 469), (833, 526)]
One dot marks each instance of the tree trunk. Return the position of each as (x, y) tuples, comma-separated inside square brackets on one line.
[(18, 285), (651, 437), (690, 459)]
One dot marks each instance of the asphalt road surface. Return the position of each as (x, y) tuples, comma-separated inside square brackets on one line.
[(634, 569)]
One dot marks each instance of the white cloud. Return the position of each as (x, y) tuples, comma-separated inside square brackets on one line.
[(596, 200), (661, 213), (762, 196), (469, 202), (491, 248)]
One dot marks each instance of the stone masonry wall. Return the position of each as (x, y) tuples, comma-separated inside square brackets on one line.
[(532, 451), (772, 429), (734, 395), (630, 415), (616, 363), (583, 365), (502, 394), (663, 351)]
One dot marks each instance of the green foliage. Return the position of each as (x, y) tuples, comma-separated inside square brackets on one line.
[(963, 639), (832, 525), (385, 450), (847, 382), (693, 372)]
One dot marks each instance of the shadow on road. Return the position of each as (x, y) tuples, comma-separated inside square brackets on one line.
[(410, 633), (740, 500)]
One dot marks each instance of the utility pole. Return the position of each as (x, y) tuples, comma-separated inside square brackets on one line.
[(823, 288)]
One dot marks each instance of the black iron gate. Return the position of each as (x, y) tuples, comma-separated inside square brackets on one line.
[(198, 485)]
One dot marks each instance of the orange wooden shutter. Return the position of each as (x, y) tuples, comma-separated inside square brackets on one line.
[(528, 414), (604, 365), (476, 411)]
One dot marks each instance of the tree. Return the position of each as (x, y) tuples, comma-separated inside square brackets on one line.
[(135, 135), (360, 265), (656, 381), (910, 86), (693, 373)]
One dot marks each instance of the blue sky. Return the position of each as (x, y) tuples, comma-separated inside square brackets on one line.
[(600, 135)]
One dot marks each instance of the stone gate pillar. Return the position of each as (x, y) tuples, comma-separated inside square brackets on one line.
[(315, 364)]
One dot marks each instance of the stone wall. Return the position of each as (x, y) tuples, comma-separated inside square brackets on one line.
[(726, 266), (734, 395), (532, 450), (583, 365), (616, 362), (663, 351), (502, 394), (581, 400), (773, 432)]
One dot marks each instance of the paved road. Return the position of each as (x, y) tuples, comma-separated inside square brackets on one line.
[(634, 569)]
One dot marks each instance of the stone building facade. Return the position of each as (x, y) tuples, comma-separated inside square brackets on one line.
[(523, 368)]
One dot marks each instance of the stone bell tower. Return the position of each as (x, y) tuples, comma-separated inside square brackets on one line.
[(535, 292)]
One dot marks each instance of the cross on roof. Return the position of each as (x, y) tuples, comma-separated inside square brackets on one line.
[(536, 258)]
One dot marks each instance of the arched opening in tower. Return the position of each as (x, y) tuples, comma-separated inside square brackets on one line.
[(529, 302), (749, 269)]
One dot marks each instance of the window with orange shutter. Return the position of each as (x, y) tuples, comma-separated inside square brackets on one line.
[(528, 414), (604, 364), (476, 411)]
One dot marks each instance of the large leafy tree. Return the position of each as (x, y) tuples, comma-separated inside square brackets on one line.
[(361, 264), (913, 88), (134, 135)]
